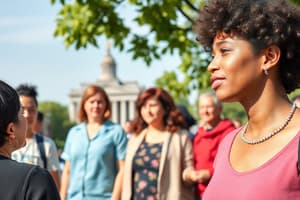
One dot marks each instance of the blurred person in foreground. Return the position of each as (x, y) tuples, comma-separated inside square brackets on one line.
[(39, 150), (159, 156), (127, 126), (256, 62), (189, 120), (94, 151), (19, 180), (207, 139)]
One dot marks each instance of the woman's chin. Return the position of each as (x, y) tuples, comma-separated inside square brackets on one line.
[(225, 97)]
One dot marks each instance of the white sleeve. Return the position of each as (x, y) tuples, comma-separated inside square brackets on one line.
[(51, 154)]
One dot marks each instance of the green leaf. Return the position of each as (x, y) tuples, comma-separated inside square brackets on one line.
[(166, 31)]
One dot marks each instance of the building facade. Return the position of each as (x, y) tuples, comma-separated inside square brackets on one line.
[(122, 94)]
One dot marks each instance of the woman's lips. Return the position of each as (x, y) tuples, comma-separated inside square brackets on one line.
[(216, 82)]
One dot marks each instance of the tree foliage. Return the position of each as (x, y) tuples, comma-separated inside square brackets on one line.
[(297, 2), (56, 120), (167, 29), (234, 111)]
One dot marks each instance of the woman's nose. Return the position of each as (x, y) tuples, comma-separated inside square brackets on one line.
[(96, 104), (146, 108), (213, 66)]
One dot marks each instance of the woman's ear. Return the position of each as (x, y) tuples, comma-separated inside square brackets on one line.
[(271, 58), (10, 130)]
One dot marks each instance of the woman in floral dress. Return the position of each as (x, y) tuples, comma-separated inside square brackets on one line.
[(159, 157)]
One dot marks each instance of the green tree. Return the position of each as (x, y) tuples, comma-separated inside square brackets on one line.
[(57, 120), (297, 2), (234, 111), (167, 29)]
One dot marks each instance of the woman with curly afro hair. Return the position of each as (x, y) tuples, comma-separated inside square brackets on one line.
[(256, 62)]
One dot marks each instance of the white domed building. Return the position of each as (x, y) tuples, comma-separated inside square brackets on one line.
[(121, 93)]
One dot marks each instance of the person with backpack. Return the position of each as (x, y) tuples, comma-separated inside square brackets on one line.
[(39, 150), (19, 181)]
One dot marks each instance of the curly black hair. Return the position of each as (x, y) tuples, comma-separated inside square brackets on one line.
[(262, 23)]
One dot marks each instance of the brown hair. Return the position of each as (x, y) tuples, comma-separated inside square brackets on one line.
[(88, 92), (173, 119)]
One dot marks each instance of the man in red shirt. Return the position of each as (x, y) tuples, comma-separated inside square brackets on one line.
[(211, 131)]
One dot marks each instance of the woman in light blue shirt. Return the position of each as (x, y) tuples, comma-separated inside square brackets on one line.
[(94, 152)]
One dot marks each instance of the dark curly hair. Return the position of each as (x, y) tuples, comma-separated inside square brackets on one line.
[(262, 23), (173, 119)]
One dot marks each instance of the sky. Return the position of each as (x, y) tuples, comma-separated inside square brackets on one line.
[(29, 53)]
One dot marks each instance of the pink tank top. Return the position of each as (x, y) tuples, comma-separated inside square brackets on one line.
[(277, 179)]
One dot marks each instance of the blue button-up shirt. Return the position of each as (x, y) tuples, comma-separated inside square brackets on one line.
[(94, 161)]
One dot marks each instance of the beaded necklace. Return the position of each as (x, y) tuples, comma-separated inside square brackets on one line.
[(266, 137)]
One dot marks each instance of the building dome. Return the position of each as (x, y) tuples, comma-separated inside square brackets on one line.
[(122, 94), (108, 67)]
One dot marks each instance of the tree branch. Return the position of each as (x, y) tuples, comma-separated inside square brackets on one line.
[(191, 5), (119, 2), (184, 14)]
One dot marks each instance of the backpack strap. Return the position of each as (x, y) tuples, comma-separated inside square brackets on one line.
[(40, 142)]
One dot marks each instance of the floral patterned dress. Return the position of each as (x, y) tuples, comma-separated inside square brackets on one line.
[(145, 171)]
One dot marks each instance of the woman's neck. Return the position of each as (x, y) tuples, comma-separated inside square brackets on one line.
[(154, 129), (92, 128), (91, 120), (94, 124), (155, 135), (266, 116)]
